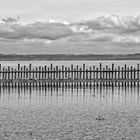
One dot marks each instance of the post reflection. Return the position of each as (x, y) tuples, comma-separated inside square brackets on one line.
[(70, 95)]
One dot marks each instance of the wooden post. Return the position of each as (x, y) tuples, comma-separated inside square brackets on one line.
[(59, 74), (122, 77), (71, 72), (90, 73), (134, 76), (134, 73), (24, 72), (100, 70), (84, 71), (118, 72), (80, 76), (128, 73), (66, 72), (12, 74), (21, 73), (74, 73), (51, 69), (8, 72), (112, 76), (109, 70), (77, 71), (125, 72), (103, 74), (39, 72), (33, 74), (36, 73), (45, 69), (15, 74), (18, 70), (27, 73), (96, 73), (62, 71), (131, 72), (115, 77), (48, 73), (42, 73), (106, 72), (138, 75), (93, 72), (138, 71), (30, 68), (0, 72), (56, 72)]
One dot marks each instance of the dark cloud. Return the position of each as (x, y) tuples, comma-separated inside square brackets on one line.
[(38, 30), (10, 20), (110, 30), (113, 22)]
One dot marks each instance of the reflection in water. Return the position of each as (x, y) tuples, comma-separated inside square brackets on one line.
[(74, 95)]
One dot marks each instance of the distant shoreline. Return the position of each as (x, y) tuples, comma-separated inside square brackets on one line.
[(68, 57), (75, 60)]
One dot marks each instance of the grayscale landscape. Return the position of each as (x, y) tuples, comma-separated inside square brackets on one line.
[(69, 70)]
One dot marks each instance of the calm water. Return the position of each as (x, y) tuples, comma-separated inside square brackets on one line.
[(97, 96), (70, 113), (68, 63)]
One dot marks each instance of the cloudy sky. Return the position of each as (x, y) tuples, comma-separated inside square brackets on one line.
[(69, 26)]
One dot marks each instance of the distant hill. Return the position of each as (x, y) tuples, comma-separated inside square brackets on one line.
[(66, 57)]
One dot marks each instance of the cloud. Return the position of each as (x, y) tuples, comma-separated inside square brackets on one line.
[(37, 30), (123, 24), (100, 28), (110, 30), (10, 20)]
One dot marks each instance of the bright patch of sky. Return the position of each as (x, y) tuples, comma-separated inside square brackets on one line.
[(66, 10)]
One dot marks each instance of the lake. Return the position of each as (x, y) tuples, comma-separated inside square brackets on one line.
[(100, 113), (68, 63)]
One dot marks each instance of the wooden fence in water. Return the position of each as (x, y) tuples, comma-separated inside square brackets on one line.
[(69, 76)]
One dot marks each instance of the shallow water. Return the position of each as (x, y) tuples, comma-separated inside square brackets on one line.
[(63, 114), (96, 113)]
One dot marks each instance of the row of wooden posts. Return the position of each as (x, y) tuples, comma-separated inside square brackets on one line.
[(69, 74), (50, 72)]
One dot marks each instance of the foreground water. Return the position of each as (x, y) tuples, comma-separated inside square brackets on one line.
[(96, 113), (65, 114)]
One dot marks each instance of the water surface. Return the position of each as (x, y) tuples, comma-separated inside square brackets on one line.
[(68, 63), (60, 113), (100, 113)]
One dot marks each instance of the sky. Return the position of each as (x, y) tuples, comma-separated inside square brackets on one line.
[(69, 26), (69, 10)]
